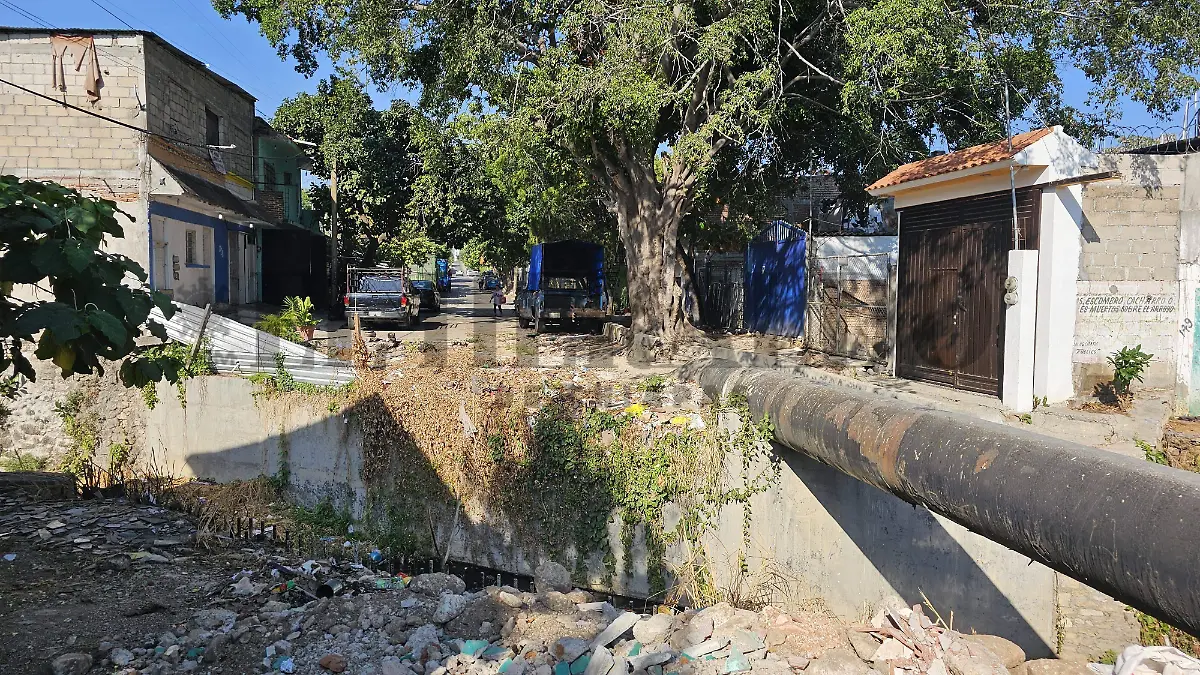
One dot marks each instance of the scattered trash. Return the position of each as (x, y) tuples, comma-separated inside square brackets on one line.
[(245, 587), (330, 588), (469, 428), (9, 557), (736, 662), (473, 647), (1138, 660)]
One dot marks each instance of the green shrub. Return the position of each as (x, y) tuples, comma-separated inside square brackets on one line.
[(280, 325), (1128, 366), (19, 462), (299, 310)]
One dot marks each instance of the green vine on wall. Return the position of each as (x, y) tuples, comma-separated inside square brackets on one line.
[(584, 468), (173, 359), (577, 484), (81, 427), (271, 385)]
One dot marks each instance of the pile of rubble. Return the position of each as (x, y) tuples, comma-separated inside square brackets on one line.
[(379, 624), (115, 531), (904, 641)]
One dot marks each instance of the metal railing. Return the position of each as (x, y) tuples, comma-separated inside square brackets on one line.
[(720, 289)]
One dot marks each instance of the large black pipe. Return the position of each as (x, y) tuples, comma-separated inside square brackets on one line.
[(1124, 526)]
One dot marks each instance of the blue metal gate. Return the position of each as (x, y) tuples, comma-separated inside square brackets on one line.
[(775, 287)]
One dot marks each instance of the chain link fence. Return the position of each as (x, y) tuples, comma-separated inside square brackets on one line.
[(849, 297)]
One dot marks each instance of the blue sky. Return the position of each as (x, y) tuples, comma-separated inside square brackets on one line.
[(236, 50)]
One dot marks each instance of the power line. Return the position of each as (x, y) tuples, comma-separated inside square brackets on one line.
[(131, 127), (109, 12), (45, 24), (38, 20)]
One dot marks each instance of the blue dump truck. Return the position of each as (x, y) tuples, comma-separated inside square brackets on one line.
[(563, 285)]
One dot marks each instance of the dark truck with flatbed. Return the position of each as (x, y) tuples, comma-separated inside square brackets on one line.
[(381, 295), (563, 285)]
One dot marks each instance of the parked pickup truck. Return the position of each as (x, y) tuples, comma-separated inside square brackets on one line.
[(564, 285), (381, 295)]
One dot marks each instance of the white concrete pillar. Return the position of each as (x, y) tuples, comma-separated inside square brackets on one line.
[(1061, 244), (1016, 391), (1187, 368)]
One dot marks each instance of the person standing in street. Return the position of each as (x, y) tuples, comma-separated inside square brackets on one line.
[(497, 302)]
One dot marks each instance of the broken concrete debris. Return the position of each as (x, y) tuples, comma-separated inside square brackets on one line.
[(269, 617), (905, 641), (551, 576), (71, 664), (435, 626)]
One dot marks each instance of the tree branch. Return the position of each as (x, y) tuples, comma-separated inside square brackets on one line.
[(702, 78)]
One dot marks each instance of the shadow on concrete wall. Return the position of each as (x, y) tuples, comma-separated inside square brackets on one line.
[(914, 553), (364, 460)]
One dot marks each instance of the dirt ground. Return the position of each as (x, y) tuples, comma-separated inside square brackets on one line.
[(107, 591), (53, 602)]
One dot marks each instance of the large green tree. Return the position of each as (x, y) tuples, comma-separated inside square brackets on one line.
[(664, 102), (375, 162), (500, 185)]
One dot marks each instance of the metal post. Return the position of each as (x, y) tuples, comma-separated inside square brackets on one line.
[(1012, 172), (333, 234), (838, 330)]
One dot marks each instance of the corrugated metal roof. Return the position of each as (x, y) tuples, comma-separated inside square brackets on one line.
[(240, 349)]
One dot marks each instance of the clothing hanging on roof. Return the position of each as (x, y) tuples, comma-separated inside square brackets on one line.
[(82, 48)]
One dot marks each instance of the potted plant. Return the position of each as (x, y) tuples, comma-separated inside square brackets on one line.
[(300, 311)]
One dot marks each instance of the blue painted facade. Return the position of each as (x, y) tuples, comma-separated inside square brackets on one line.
[(220, 232)]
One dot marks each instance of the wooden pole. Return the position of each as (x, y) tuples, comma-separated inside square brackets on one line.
[(333, 234), (199, 335)]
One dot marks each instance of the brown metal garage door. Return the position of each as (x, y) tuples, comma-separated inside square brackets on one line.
[(950, 300)]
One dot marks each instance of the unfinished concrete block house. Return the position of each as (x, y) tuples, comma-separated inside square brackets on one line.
[(74, 105)]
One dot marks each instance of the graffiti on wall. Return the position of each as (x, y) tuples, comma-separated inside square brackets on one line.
[(1112, 316), (1116, 303)]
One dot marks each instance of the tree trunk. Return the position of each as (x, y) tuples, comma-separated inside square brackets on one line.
[(689, 292), (649, 227)]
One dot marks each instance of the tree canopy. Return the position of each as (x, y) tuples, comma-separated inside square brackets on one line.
[(667, 107), (375, 160)]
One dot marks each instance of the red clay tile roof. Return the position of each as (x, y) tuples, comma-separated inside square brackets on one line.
[(968, 158)]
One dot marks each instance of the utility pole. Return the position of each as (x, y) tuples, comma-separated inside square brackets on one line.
[(333, 235), (1012, 171)]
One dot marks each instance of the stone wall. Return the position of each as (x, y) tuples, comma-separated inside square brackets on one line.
[(180, 89), (35, 428), (1129, 269), (1091, 622)]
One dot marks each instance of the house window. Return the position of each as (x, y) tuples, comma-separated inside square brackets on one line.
[(212, 128), (269, 175), (207, 248), (190, 252), (287, 177)]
